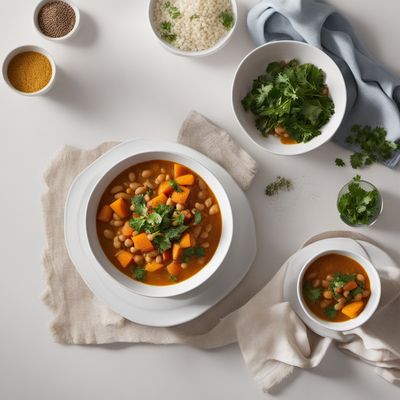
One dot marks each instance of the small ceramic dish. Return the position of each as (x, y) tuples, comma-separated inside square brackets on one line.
[(61, 38), (255, 64), (218, 46), (370, 307), (23, 49), (181, 287)]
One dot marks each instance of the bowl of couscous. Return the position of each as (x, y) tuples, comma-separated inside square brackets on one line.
[(193, 28)]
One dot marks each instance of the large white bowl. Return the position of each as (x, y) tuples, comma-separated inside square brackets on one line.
[(181, 287), (218, 46), (255, 64), (369, 309)]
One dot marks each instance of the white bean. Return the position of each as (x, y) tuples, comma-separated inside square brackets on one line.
[(199, 206), (108, 233), (213, 210), (141, 190), (202, 184), (116, 189), (146, 173), (132, 176), (184, 265), (202, 195), (208, 202), (180, 207), (134, 185), (159, 259), (122, 195), (205, 245), (128, 243), (204, 235), (208, 228)]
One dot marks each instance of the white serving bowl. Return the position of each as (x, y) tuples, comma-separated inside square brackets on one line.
[(218, 46), (69, 34), (255, 64), (369, 309), (23, 49), (142, 288)]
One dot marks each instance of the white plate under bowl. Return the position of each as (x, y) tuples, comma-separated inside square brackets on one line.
[(377, 256), (255, 64), (161, 312)]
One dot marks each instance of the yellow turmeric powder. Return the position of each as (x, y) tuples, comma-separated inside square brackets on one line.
[(29, 71)]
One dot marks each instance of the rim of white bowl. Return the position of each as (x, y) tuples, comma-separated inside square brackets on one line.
[(371, 305), (202, 275), (61, 38), (22, 49), (203, 53), (299, 146)]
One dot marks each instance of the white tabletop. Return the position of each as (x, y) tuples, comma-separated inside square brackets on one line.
[(114, 83)]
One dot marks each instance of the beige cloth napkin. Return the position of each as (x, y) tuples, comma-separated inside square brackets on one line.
[(273, 340)]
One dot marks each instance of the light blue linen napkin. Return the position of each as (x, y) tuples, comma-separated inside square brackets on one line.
[(373, 92)]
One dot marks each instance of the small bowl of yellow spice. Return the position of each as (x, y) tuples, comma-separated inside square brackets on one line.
[(29, 70)]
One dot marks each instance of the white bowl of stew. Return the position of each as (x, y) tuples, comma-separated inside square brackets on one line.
[(159, 223), (339, 290)]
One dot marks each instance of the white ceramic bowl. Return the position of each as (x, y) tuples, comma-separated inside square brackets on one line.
[(69, 34), (181, 287), (218, 46), (255, 64), (23, 49), (368, 310)]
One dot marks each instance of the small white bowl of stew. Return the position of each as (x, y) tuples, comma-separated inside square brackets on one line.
[(339, 290), (159, 223)]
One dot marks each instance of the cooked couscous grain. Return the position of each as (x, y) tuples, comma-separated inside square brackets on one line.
[(193, 25)]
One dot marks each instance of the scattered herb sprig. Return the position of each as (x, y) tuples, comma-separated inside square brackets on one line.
[(280, 183), (173, 11), (340, 163), (166, 32), (373, 146), (359, 206), (293, 96)]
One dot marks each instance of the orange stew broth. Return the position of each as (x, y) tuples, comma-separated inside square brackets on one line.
[(205, 234), (323, 276)]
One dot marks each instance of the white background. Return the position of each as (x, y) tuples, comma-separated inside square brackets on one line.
[(114, 83)]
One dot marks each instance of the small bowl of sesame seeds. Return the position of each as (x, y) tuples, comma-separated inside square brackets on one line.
[(56, 20), (193, 28)]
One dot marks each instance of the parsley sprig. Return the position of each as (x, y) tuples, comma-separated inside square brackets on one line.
[(359, 206), (227, 19), (291, 96), (373, 146), (280, 183)]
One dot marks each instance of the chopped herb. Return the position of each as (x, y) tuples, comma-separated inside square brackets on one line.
[(172, 10), (166, 26), (330, 312), (359, 206), (193, 252), (175, 185), (373, 146), (339, 162), (313, 294), (226, 19), (280, 183), (178, 219), (162, 243), (168, 37), (173, 278), (290, 95), (140, 204), (340, 280), (139, 274), (356, 291), (198, 217), (194, 16)]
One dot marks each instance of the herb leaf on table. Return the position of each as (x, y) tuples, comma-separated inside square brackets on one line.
[(373, 146), (280, 183)]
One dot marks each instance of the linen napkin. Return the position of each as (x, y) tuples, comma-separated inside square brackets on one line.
[(373, 92)]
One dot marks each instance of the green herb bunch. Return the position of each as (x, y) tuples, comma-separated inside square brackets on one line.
[(280, 183), (359, 206), (292, 96)]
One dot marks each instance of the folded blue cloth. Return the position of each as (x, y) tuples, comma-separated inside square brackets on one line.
[(373, 92)]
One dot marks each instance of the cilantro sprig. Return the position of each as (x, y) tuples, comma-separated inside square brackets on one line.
[(227, 19), (280, 183), (291, 96), (373, 146), (359, 206), (193, 252), (167, 226)]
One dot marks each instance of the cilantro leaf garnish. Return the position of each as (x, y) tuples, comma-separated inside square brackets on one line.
[(373, 146), (226, 19), (175, 185), (198, 217), (359, 206), (330, 312), (139, 274), (339, 162), (139, 203), (193, 252), (291, 96), (172, 10)]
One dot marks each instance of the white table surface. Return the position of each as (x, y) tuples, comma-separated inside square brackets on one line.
[(114, 83)]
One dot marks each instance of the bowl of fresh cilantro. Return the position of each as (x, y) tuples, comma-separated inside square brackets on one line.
[(289, 97)]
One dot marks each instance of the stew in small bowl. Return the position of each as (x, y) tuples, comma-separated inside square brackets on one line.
[(339, 290)]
